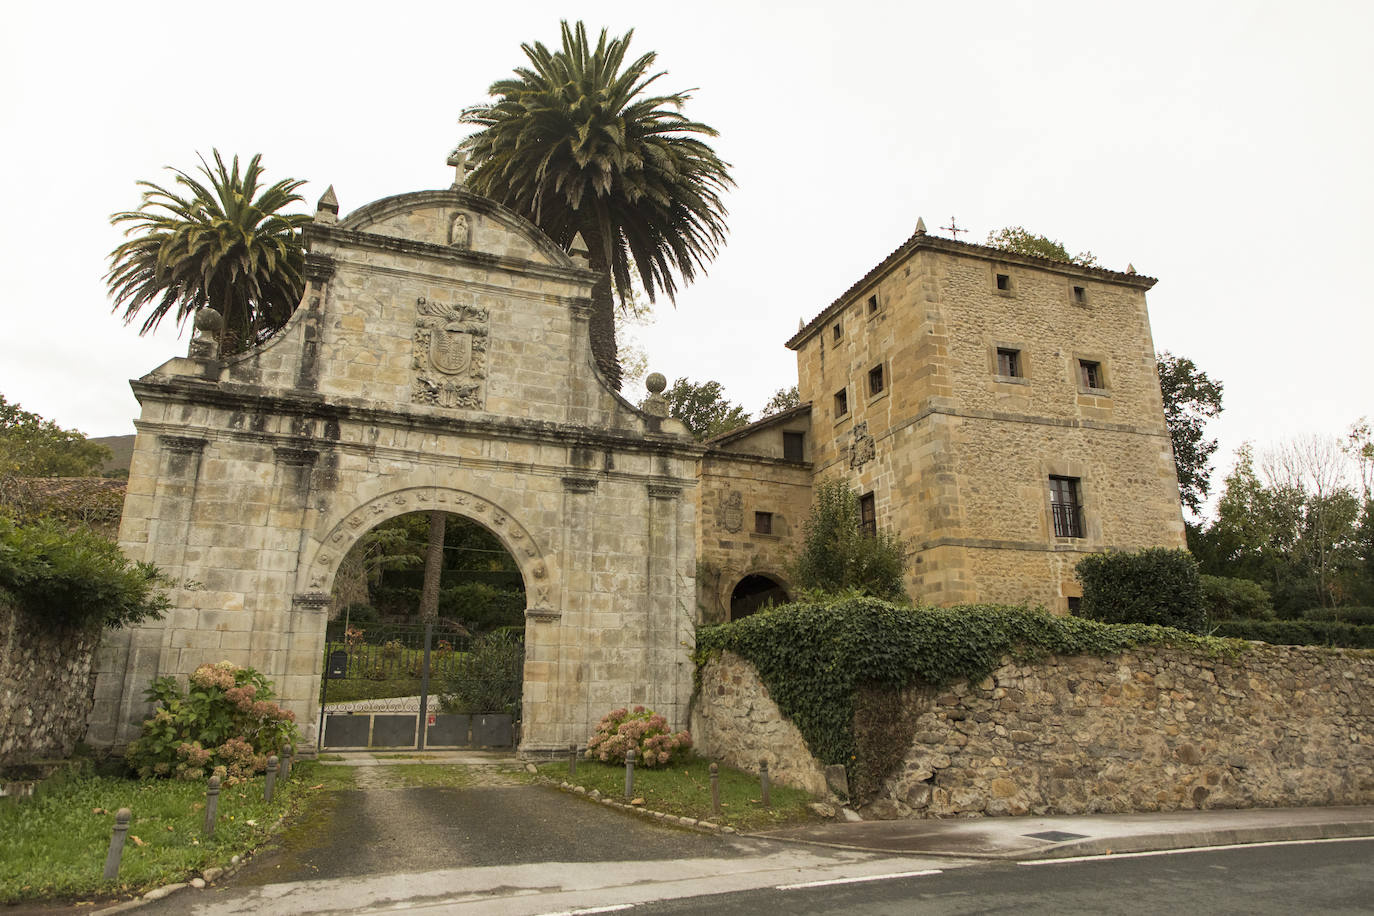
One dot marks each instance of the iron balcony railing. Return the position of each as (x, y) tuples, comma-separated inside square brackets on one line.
[(1068, 521)]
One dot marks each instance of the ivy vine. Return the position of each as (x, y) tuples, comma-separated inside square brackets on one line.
[(815, 656)]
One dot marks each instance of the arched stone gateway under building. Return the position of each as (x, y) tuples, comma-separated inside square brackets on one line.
[(440, 360)]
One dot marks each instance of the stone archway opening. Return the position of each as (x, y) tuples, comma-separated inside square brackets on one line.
[(395, 677), (756, 591)]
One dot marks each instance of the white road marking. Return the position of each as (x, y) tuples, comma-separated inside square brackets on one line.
[(1174, 852), (861, 878), (595, 909)]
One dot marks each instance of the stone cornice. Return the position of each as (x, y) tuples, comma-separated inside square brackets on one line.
[(310, 404)]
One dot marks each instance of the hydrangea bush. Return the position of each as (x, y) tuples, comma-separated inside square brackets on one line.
[(644, 730), (226, 722)]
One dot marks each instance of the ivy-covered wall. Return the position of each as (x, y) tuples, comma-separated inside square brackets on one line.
[(1154, 729), (46, 682)]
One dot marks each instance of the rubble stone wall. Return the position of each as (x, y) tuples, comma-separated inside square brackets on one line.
[(45, 688), (1142, 731)]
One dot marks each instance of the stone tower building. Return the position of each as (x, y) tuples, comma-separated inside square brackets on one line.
[(1000, 412)]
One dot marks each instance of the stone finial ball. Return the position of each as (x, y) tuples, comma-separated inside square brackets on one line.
[(209, 321), (656, 383)]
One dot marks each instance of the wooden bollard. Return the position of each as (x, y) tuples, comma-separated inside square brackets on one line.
[(715, 790), (121, 829), (763, 782), (572, 761), (211, 805), (270, 782), (287, 752), (630, 773)]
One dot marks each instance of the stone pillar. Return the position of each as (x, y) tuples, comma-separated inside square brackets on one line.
[(662, 650)]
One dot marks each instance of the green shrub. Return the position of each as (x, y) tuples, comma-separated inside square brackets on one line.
[(1154, 586), (481, 607), (837, 556), (642, 729), (1300, 633), (1235, 599), (74, 578), (814, 657), (489, 677), (225, 719), (1360, 616)]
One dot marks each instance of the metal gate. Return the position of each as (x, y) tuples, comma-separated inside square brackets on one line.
[(468, 688)]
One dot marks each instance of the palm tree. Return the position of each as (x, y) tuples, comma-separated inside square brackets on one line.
[(219, 243), (574, 144)]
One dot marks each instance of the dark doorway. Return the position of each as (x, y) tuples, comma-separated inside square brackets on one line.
[(753, 592)]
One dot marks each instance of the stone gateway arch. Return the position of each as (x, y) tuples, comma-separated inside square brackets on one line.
[(440, 360)]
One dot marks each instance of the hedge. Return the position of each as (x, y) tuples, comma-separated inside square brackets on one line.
[(1154, 586), (1299, 633), (1363, 616)]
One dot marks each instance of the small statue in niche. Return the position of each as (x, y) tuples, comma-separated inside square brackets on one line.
[(459, 234)]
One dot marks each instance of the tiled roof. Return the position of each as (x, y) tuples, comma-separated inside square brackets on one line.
[(730, 436), (923, 240)]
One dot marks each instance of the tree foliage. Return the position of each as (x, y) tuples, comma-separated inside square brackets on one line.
[(74, 578), (836, 556), (1190, 400), (703, 408), (575, 143), (212, 241), (31, 446), (1017, 239), (782, 399)]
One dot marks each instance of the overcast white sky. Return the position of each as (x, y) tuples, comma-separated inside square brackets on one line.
[(1225, 148)]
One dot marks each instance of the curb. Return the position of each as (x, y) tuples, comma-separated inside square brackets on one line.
[(691, 823), (1160, 842)]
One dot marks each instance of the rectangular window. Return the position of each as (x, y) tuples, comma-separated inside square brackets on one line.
[(1004, 283), (1090, 373), (1074, 605), (1066, 507), (794, 446), (841, 403), (868, 516), (763, 522), (1008, 363), (873, 304), (836, 332), (875, 380), (1080, 295)]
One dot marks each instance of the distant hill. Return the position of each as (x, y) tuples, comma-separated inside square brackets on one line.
[(122, 449)]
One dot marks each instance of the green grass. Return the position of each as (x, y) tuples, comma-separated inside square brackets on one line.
[(684, 789), (54, 844), (347, 690)]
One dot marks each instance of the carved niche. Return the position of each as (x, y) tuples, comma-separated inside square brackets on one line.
[(450, 355), (732, 511), (862, 450)]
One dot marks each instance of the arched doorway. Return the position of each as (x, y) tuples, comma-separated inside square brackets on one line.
[(405, 672), (755, 591)]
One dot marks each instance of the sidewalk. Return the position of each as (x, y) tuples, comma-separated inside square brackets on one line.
[(1085, 835)]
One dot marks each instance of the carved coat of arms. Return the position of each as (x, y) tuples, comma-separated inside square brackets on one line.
[(732, 511), (450, 347), (863, 448)]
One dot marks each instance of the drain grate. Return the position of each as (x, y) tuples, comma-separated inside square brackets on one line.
[(1056, 836)]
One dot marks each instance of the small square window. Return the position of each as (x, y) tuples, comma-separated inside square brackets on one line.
[(868, 516), (875, 380), (836, 332), (1080, 295), (794, 446), (841, 403), (1008, 362), (763, 522), (873, 304), (1075, 604), (1090, 373), (1004, 283)]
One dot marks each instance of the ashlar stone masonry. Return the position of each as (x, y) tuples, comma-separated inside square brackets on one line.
[(440, 360)]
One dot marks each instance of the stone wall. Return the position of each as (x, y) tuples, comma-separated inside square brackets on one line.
[(1143, 731), (45, 688)]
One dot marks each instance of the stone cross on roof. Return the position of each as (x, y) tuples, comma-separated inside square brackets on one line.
[(459, 160)]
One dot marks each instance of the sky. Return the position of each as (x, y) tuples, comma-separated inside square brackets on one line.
[(1226, 148)]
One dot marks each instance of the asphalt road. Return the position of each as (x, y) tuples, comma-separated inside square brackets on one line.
[(1324, 877)]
